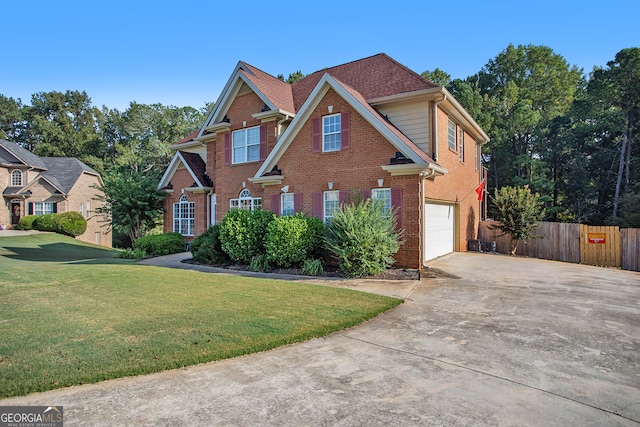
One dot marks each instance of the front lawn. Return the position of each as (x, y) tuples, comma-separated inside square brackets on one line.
[(73, 313)]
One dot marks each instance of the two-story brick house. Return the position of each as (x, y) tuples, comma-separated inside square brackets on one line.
[(368, 128), (33, 185)]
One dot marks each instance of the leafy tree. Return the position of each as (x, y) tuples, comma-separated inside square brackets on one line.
[(12, 124), (64, 125), (132, 203), (293, 77), (518, 212), (524, 89), (437, 76)]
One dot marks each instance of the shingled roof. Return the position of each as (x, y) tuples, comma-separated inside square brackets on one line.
[(373, 77), (278, 92), (198, 167), (13, 154), (63, 172)]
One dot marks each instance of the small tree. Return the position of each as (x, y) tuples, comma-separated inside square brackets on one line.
[(132, 202), (518, 212)]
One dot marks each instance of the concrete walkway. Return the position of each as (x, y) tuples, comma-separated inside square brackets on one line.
[(500, 341)]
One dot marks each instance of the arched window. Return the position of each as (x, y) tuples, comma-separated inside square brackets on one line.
[(246, 202), (184, 216), (16, 178)]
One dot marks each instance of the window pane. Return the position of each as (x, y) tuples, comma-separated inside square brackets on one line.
[(383, 196), (331, 133), (331, 203), (239, 138), (287, 205), (253, 153), (452, 135), (253, 136)]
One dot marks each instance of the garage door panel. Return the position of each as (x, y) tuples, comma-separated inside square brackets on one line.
[(438, 229)]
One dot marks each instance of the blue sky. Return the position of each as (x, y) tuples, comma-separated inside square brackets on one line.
[(181, 53)]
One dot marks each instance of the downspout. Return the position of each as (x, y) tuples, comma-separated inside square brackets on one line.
[(209, 194), (435, 126)]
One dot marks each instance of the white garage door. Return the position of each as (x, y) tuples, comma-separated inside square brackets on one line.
[(438, 230)]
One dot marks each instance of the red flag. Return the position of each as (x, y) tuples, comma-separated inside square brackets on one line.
[(480, 190)]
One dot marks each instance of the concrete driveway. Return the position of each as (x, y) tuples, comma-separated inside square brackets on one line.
[(489, 340)]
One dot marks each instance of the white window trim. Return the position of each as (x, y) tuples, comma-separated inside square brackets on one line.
[(189, 219), (245, 146), (19, 181), (461, 144), (338, 132), (452, 135), (291, 202), (388, 207), (88, 206), (328, 216)]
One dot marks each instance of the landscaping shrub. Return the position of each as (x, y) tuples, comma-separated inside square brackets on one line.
[(243, 232), (26, 222), (292, 239), (160, 244), (363, 238), (70, 223), (132, 254), (312, 267), (207, 248), (259, 263), (46, 222)]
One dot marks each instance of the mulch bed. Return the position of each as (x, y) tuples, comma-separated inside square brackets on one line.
[(331, 271)]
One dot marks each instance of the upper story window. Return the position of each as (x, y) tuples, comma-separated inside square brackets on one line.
[(331, 203), (451, 135), (245, 201), (331, 126), (383, 196), (16, 178), (246, 145), (287, 205)]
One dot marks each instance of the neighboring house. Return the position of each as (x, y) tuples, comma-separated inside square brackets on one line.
[(33, 185), (368, 128)]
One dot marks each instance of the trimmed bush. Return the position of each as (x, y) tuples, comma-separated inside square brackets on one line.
[(26, 222), (46, 222), (70, 223), (363, 238), (292, 239), (132, 254), (243, 232), (207, 248), (160, 244)]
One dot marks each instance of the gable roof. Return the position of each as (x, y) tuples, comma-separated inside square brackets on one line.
[(373, 77), (12, 153), (64, 172), (194, 165), (275, 93), (360, 105)]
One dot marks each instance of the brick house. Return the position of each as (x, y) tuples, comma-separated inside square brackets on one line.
[(368, 128), (33, 185)]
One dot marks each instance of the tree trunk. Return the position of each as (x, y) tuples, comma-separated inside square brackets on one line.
[(513, 246), (616, 197)]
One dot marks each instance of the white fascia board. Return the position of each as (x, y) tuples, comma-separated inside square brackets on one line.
[(484, 138), (404, 96), (171, 170), (413, 169), (194, 143), (312, 101), (228, 95)]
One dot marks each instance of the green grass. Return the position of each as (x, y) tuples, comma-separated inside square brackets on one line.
[(72, 313)]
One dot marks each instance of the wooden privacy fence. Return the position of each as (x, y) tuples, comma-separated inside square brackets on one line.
[(630, 248), (577, 243)]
